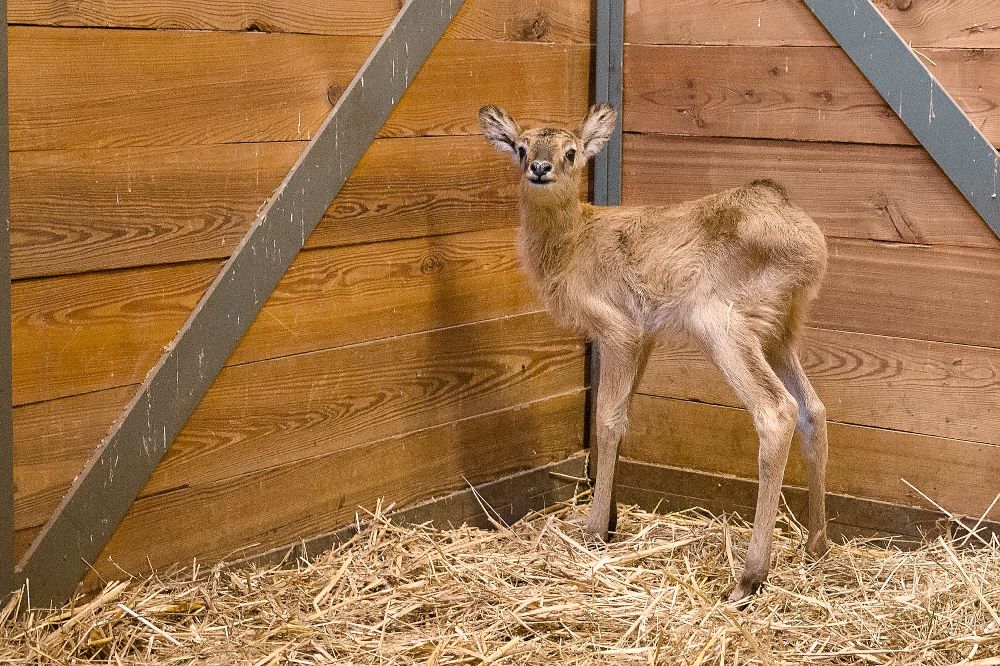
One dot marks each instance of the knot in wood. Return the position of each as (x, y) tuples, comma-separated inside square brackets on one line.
[(431, 264), (903, 5), (535, 29)]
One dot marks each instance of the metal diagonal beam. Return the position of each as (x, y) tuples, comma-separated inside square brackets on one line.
[(112, 479), (907, 85), (6, 428)]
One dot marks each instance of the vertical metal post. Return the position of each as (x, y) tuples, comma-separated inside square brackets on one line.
[(6, 392), (609, 53), (609, 49)]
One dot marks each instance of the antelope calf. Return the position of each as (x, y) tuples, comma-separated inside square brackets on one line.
[(734, 272)]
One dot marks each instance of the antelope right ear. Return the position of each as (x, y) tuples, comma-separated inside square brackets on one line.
[(500, 129)]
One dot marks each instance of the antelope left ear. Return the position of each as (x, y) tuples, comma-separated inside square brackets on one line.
[(597, 128)]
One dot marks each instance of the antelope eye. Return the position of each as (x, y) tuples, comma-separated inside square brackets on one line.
[(521, 152), (571, 155)]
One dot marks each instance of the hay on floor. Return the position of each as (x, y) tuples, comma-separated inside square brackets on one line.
[(541, 593)]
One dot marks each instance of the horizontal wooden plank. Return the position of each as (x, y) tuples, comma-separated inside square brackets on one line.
[(521, 20), (74, 211), (912, 291), (864, 462), (943, 23), (320, 494), (97, 209), (931, 388), (345, 17), (461, 76), (667, 489), (851, 190), (259, 415), (814, 94), (422, 186), (79, 88), (52, 441), (74, 88), (342, 296), (83, 333), (511, 497), (525, 20)]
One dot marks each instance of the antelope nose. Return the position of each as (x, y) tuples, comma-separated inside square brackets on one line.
[(540, 167)]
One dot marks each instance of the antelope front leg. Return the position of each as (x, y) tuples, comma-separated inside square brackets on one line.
[(620, 365)]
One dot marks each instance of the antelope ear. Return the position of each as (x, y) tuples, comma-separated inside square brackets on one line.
[(597, 128), (500, 129)]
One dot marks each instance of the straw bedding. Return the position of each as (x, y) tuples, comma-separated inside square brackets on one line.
[(540, 593)]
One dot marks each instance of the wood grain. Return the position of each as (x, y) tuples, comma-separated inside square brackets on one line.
[(931, 388), (52, 441), (262, 414), (864, 462), (814, 94), (912, 291), (851, 190), (941, 23), (525, 20), (345, 17), (74, 211), (83, 333), (259, 415), (75, 88), (71, 89), (342, 296), (320, 494), (521, 20), (422, 186), (96, 209), (538, 84)]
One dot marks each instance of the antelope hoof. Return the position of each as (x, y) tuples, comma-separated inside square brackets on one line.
[(741, 594), (818, 546), (748, 585)]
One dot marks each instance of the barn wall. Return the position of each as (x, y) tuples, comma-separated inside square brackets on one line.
[(401, 352), (903, 342)]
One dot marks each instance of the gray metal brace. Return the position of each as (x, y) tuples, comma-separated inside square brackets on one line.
[(907, 85), (112, 479)]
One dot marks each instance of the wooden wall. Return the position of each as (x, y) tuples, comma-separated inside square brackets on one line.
[(904, 342), (401, 352)]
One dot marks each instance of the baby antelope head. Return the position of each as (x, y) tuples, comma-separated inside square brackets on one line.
[(549, 157)]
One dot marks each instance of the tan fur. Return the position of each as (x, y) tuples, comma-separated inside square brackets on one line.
[(734, 271)]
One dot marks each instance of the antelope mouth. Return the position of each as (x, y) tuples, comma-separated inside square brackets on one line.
[(539, 181)]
